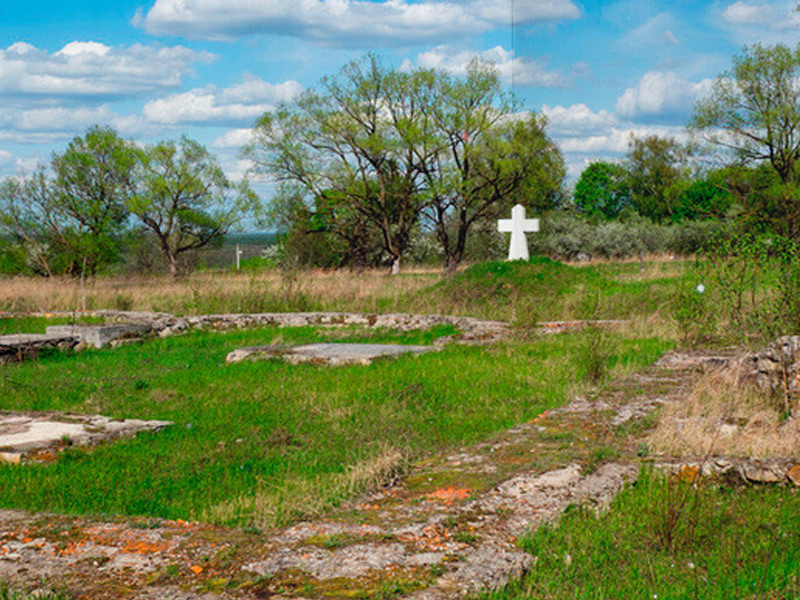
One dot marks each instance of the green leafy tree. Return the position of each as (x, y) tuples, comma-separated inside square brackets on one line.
[(91, 184), (25, 215), (706, 197), (655, 168), (484, 158), (754, 110), (185, 200), (602, 190), (392, 146), (324, 231), (357, 137)]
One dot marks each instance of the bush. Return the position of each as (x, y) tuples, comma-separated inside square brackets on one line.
[(568, 237)]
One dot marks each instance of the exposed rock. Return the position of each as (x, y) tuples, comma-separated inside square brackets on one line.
[(739, 470), (794, 475), (487, 568), (692, 360), (99, 336), (22, 434), (17, 347), (773, 370), (334, 354), (348, 562)]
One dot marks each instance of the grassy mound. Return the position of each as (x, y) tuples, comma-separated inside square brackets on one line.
[(524, 292)]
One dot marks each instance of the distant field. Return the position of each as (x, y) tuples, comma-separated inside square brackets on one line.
[(521, 292)]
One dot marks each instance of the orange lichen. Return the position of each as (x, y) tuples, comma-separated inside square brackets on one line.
[(794, 474), (142, 547), (450, 494), (689, 473)]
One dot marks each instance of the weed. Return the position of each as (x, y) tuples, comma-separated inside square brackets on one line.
[(669, 539), (466, 537), (9, 593)]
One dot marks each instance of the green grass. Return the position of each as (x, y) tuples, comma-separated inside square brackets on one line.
[(9, 593), (10, 325), (267, 442), (667, 540), (545, 289)]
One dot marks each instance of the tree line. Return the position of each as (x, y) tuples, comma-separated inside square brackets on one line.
[(76, 216), (375, 163)]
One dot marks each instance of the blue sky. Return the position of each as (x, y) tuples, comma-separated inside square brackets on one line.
[(157, 69)]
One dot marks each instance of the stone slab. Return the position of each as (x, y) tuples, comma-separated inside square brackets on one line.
[(16, 347), (99, 336), (332, 354), (16, 340), (21, 434)]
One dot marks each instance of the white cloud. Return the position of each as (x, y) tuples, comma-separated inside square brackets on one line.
[(585, 135), (523, 71), (91, 69), (783, 15), (657, 30), (59, 119), (12, 165), (6, 158), (577, 120), (661, 94), (616, 140), (778, 16), (241, 103), (235, 138), (347, 22)]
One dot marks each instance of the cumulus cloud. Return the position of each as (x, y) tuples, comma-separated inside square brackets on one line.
[(347, 22), (616, 140), (577, 120), (239, 104), (777, 16), (235, 138), (663, 95), (584, 135), (90, 69), (523, 71)]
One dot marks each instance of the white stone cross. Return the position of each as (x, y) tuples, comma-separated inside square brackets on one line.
[(518, 225)]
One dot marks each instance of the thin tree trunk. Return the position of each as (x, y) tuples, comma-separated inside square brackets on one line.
[(173, 266)]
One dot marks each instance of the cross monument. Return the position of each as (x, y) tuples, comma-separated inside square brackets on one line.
[(518, 226)]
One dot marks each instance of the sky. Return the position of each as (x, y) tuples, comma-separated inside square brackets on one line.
[(159, 69)]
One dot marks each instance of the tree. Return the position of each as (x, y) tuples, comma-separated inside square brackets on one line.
[(705, 197), (324, 231), (602, 190), (24, 220), (655, 166), (393, 146), (184, 198), (484, 158), (353, 138), (754, 110), (86, 205)]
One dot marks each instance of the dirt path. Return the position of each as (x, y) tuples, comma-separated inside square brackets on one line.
[(448, 529)]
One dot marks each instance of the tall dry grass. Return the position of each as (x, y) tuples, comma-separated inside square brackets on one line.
[(723, 417), (211, 292)]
